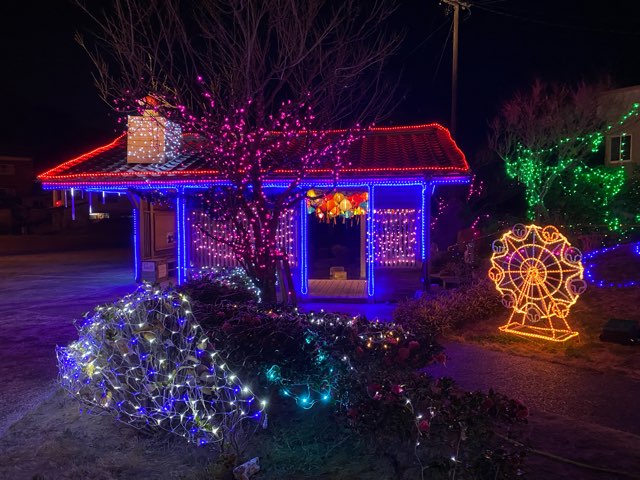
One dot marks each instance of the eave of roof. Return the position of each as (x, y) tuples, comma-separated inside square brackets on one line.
[(404, 143)]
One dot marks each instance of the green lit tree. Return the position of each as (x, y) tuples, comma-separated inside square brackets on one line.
[(545, 133)]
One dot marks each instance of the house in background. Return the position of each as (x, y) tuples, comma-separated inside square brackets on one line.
[(26, 209), (376, 251), (622, 142), (22, 205)]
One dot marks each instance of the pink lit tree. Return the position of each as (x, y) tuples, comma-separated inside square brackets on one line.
[(260, 82)]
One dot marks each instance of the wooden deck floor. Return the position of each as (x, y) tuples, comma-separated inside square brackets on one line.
[(338, 288)]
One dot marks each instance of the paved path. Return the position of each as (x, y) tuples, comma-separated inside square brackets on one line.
[(604, 399), (40, 297)]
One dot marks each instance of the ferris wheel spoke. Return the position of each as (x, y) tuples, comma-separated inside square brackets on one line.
[(523, 289), (546, 256), (517, 250), (556, 271), (550, 288)]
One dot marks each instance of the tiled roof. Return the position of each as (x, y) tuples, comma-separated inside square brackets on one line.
[(396, 151)]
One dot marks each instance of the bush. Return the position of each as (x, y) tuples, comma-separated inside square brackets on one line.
[(145, 359), (210, 286), (433, 314)]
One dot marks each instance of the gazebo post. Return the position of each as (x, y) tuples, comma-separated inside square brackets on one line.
[(425, 223), (137, 235), (371, 243), (304, 242), (181, 237)]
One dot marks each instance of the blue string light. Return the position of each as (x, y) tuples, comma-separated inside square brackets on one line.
[(304, 273), (370, 243), (204, 184), (136, 246), (590, 265)]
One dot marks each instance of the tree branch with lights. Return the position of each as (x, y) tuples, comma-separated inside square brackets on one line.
[(259, 83)]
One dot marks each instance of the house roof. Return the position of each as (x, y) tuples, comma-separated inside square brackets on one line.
[(409, 151)]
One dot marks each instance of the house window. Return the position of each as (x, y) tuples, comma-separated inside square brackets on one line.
[(621, 148)]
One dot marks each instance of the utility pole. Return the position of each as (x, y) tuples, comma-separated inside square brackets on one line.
[(457, 5)]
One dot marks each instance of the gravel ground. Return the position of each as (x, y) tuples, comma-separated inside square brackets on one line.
[(41, 295)]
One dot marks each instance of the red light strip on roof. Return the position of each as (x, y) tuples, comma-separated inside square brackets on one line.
[(215, 172), (51, 174), (74, 161)]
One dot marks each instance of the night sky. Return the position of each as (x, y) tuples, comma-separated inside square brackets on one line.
[(51, 110)]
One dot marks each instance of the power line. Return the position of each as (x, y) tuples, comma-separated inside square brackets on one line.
[(483, 6), (427, 38), (444, 47)]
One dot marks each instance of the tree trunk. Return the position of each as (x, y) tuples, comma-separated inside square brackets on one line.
[(268, 286)]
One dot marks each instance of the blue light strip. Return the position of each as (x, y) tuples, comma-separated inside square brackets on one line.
[(73, 205), (185, 237), (370, 243), (590, 266), (136, 246), (204, 184), (181, 238), (304, 259), (424, 204)]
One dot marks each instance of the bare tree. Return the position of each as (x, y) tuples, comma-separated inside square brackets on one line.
[(258, 81), (545, 131)]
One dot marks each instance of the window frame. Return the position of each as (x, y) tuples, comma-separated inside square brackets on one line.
[(619, 152)]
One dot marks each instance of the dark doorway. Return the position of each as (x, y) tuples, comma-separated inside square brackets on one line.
[(334, 244)]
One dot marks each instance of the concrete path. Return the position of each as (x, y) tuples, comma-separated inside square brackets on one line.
[(40, 297), (608, 400)]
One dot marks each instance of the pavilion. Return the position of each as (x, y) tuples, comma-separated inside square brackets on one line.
[(381, 202)]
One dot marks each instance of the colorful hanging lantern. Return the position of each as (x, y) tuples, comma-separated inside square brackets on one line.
[(333, 205), (345, 205)]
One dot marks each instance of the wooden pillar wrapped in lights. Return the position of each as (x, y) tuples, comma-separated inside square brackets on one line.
[(540, 276)]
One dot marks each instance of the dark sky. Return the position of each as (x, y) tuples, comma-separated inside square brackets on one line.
[(51, 109)]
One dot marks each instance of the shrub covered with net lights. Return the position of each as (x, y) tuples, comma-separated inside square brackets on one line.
[(147, 360), (230, 284)]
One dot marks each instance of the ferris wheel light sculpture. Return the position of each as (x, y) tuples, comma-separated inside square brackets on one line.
[(540, 276)]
